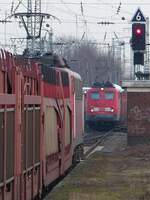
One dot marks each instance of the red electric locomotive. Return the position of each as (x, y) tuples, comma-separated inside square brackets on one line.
[(41, 123), (103, 104)]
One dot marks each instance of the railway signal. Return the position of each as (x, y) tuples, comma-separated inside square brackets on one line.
[(138, 41), (138, 37)]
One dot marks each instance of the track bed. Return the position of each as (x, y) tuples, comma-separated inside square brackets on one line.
[(116, 172)]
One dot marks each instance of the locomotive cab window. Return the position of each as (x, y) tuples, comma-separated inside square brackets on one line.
[(109, 95), (95, 95)]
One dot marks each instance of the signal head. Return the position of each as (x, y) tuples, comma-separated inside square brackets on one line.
[(138, 36)]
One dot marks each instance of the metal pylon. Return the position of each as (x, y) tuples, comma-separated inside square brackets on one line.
[(37, 19), (37, 9), (32, 21), (30, 44)]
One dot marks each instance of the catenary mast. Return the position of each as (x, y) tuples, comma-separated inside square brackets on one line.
[(29, 44), (32, 21)]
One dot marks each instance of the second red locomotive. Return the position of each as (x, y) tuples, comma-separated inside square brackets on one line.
[(103, 104)]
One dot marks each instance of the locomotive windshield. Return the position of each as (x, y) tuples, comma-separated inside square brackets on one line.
[(95, 95), (109, 95)]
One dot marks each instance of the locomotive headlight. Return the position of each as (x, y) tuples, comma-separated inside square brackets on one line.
[(112, 110), (109, 109), (95, 109)]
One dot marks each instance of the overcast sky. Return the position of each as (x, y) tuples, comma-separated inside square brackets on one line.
[(79, 20)]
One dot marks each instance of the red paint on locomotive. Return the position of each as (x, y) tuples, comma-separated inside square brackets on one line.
[(39, 125), (103, 104)]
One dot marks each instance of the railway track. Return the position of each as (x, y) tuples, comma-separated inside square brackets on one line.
[(91, 142)]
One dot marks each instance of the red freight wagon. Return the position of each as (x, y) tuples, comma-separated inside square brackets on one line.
[(41, 124)]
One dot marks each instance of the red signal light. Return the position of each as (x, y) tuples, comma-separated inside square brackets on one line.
[(138, 31), (138, 36)]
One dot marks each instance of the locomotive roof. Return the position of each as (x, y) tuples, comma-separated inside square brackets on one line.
[(107, 85), (118, 87), (73, 73), (102, 84), (47, 60)]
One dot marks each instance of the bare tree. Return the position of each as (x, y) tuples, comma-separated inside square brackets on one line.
[(88, 59)]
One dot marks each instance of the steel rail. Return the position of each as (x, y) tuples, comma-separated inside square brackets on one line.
[(98, 142)]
